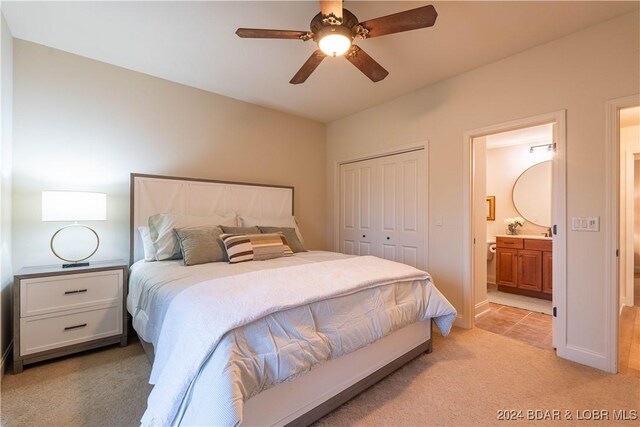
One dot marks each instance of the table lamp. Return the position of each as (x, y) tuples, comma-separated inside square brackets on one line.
[(74, 206)]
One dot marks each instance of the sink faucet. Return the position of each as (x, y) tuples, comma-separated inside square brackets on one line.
[(547, 233)]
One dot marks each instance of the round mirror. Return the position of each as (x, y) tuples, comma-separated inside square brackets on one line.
[(532, 194)]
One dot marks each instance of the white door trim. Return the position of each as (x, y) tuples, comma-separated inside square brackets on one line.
[(629, 227), (422, 145), (558, 217), (612, 238)]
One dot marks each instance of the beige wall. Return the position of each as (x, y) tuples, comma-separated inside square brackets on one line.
[(6, 97), (578, 73), (85, 125)]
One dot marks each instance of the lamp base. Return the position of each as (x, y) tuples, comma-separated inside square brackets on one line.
[(75, 264)]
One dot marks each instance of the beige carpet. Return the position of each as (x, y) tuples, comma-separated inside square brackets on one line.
[(469, 377)]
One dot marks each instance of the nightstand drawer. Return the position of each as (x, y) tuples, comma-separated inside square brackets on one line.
[(52, 294), (48, 332)]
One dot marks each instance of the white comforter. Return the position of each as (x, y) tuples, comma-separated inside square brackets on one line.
[(231, 321)]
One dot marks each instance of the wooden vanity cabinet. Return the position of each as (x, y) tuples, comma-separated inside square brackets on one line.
[(547, 272), (507, 267), (523, 266)]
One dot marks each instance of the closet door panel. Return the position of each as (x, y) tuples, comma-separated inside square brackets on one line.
[(389, 252), (389, 200), (410, 209), (410, 196), (366, 208), (364, 248), (409, 256), (357, 213), (365, 197), (348, 247), (348, 209)]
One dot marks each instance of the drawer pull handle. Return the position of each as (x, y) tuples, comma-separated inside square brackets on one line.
[(68, 328), (79, 291)]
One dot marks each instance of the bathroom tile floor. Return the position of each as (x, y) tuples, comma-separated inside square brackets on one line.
[(517, 323)]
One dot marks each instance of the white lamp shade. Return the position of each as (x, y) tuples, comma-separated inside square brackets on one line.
[(73, 206)]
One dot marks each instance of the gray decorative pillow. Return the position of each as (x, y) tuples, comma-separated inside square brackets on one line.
[(161, 228), (200, 245), (240, 230), (289, 233)]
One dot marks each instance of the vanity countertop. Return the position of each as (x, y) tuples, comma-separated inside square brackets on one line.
[(525, 236)]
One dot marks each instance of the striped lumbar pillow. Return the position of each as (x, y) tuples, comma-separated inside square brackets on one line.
[(255, 247)]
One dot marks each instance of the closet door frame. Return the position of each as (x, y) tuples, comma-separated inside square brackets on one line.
[(390, 151)]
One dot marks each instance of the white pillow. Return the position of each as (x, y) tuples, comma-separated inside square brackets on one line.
[(284, 221), (164, 239), (147, 244)]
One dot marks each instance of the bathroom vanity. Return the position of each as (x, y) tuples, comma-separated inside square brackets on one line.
[(524, 265)]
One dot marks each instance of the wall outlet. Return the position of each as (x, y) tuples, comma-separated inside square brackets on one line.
[(439, 221)]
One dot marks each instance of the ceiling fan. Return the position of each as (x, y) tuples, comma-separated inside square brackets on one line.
[(335, 29)]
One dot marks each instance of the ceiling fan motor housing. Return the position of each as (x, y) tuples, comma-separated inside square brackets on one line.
[(321, 27)]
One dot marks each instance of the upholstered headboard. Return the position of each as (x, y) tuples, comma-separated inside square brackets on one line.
[(154, 194)]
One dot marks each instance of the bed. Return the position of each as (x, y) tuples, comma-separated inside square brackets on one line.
[(276, 342)]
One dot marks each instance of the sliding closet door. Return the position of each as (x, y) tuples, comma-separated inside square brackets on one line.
[(382, 208)]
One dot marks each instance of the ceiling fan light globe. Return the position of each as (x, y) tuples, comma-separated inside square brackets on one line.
[(334, 40), (334, 44)]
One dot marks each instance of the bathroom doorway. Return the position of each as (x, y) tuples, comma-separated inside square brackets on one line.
[(519, 246), (517, 185)]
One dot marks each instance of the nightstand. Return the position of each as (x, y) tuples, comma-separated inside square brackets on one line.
[(60, 311)]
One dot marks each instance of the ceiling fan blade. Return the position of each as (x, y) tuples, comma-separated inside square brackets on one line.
[(366, 64), (408, 20), (327, 8), (259, 33), (307, 68)]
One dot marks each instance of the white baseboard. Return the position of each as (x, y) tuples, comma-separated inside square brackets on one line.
[(491, 280), (5, 358), (481, 308)]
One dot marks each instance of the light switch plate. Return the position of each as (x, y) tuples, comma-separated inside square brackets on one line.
[(575, 223), (439, 221), (581, 223)]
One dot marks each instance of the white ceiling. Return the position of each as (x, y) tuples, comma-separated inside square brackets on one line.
[(630, 117), (542, 134), (193, 43)]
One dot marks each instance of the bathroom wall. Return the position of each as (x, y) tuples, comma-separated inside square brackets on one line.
[(504, 166)]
